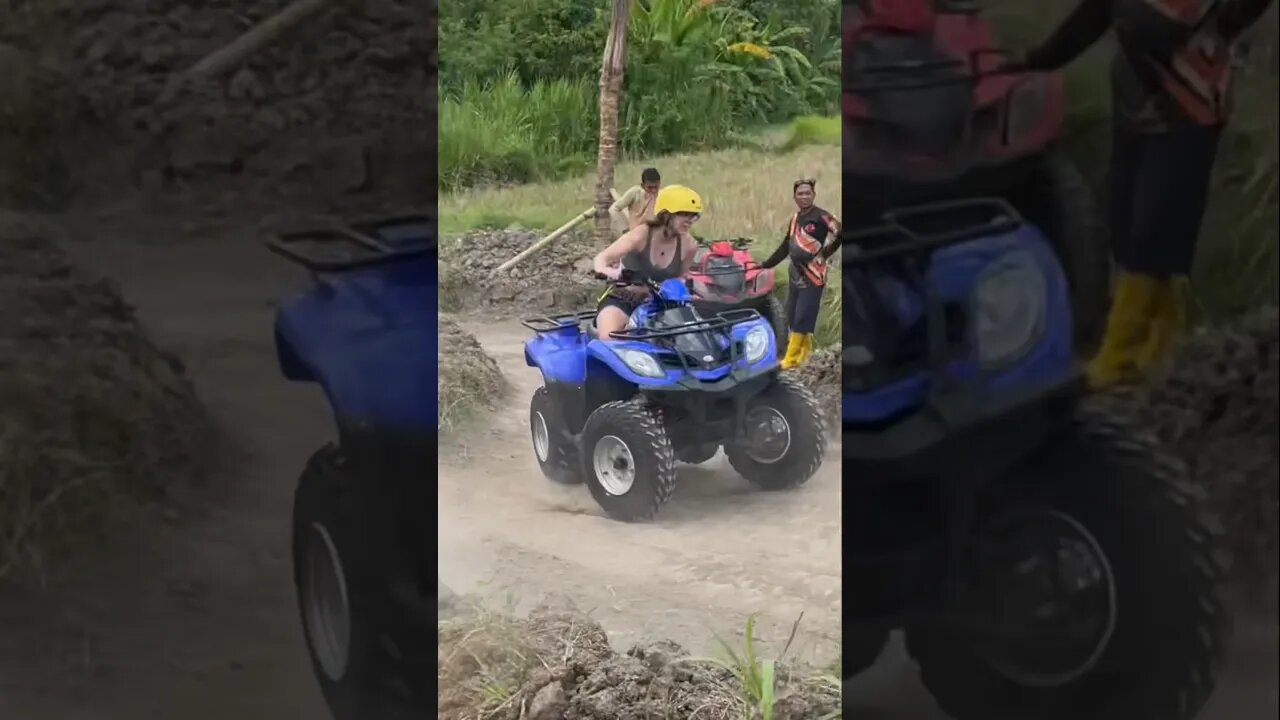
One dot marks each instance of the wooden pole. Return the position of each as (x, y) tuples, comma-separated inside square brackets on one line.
[(611, 70), (253, 40), (557, 233), (580, 217)]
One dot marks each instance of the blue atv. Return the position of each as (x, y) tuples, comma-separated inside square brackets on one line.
[(1043, 559), (671, 386), (365, 332)]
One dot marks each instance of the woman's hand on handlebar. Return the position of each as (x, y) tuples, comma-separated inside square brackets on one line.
[(611, 273)]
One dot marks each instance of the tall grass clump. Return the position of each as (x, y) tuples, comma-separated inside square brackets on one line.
[(499, 131), (700, 75)]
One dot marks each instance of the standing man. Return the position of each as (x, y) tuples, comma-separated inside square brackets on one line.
[(813, 236), (635, 207), (1171, 97)]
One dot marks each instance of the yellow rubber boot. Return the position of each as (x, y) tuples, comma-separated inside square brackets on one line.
[(1167, 323), (806, 349), (1127, 332), (794, 343)]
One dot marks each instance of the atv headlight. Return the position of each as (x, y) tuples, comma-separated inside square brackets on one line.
[(1008, 309), (755, 344), (641, 363)]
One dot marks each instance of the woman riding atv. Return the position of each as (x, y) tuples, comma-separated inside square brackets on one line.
[(660, 249), (813, 236)]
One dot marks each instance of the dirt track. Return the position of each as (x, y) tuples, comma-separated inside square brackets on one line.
[(716, 553), (194, 619)]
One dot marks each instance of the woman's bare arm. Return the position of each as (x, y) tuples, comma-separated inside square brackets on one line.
[(612, 255)]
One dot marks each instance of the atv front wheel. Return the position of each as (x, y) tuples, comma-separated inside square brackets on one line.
[(553, 451), (628, 460), (786, 437), (355, 655), (1093, 591)]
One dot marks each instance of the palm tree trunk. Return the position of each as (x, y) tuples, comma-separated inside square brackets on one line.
[(611, 69)]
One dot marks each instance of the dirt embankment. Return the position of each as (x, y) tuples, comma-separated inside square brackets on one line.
[(468, 381), (557, 664), (90, 410), (556, 278), (1217, 407), (339, 106)]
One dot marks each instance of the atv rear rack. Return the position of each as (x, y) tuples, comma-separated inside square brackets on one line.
[(357, 244), (546, 324)]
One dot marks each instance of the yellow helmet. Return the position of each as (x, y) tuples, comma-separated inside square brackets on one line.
[(677, 199)]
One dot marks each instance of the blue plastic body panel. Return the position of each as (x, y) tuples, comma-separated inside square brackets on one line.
[(368, 337), (569, 355), (954, 271)]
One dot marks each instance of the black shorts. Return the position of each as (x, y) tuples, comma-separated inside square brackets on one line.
[(803, 303), (1158, 191), (613, 298)]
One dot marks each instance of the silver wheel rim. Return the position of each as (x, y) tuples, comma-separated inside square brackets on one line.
[(541, 437), (1106, 575), (614, 465), (768, 435), (326, 607)]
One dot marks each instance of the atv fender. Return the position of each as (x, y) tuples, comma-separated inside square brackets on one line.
[(368, 338)]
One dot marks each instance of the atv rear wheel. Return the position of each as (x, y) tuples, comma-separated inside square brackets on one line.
[(786, 437), (359, 661), (627, 460), (1059, 200), (1094, 589), (556, 456)]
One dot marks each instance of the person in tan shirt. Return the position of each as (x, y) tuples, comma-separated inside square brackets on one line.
[(635, 207)]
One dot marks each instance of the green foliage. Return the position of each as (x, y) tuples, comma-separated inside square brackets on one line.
[(700, 74)]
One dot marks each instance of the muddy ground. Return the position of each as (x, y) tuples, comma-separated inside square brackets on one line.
[(717, 552)]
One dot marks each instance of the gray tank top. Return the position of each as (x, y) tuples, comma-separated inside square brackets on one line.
[(640, 261)]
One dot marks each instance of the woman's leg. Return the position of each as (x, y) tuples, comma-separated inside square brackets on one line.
[(610, 319)]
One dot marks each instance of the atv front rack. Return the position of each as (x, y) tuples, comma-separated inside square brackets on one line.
[(357, 244), (908, 230), (721, 321)]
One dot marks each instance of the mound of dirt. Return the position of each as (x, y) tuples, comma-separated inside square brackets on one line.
[(469, 380), (821, 374), (1217, 407), (90, 410), (557, 664), (343, 96), (35, 110), (557, 278)]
